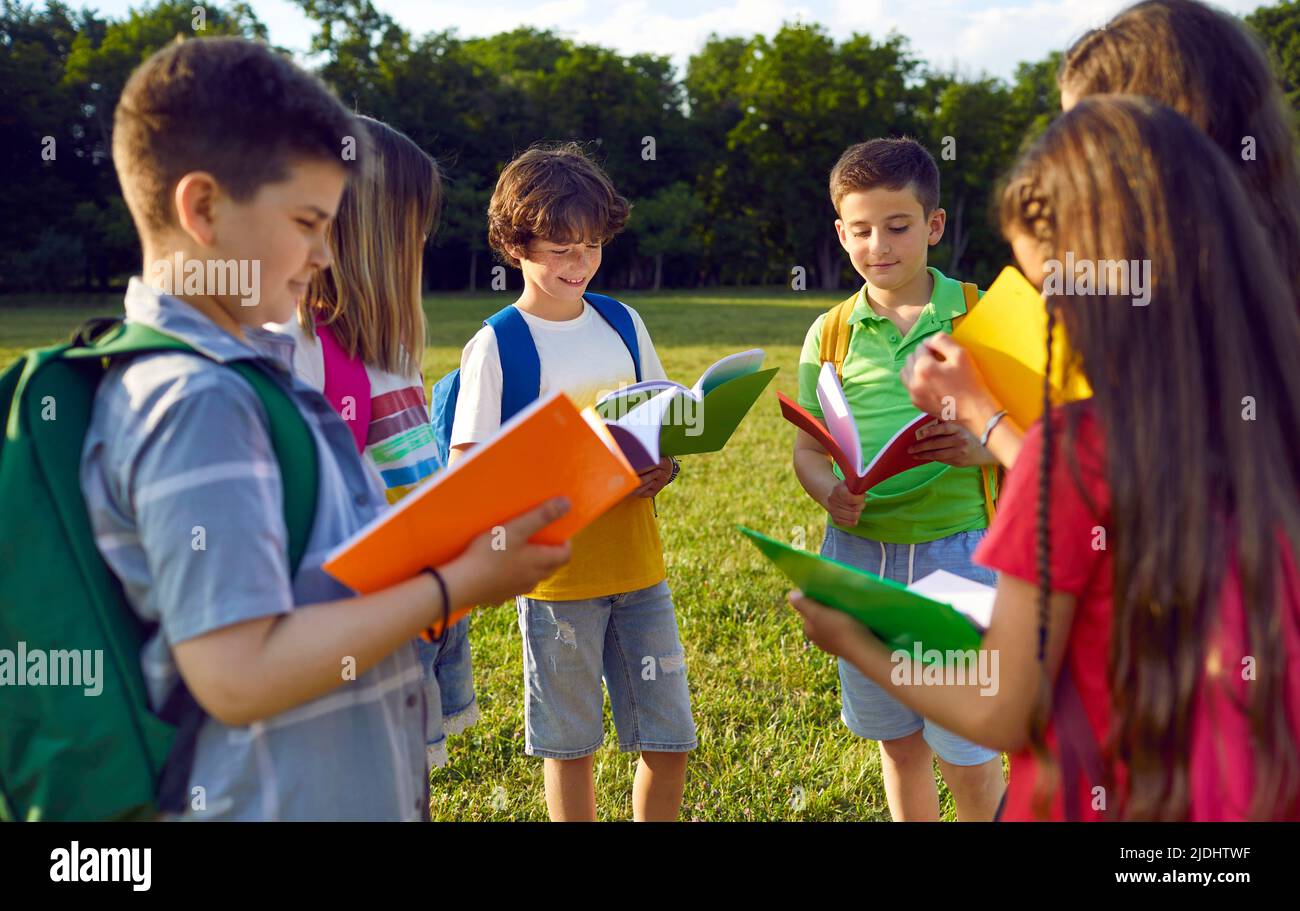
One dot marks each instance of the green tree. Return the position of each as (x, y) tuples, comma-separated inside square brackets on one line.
[(664, 225), (1279, 27)]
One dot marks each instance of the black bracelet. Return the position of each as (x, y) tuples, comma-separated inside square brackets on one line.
[(677, 466), (446, 604)]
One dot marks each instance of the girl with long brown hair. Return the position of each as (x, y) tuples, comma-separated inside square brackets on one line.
[(1207, 66), (1147, 617)]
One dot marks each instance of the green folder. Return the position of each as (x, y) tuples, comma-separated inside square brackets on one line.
[(901, 619), (723, 408)]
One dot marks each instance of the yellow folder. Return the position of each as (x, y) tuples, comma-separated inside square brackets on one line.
[(1005, 335)]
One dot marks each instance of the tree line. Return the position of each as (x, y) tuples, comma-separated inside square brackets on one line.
[(726, 163)]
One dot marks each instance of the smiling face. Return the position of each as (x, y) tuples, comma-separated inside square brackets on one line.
[(560, 270), (887, 234), (281, 229)]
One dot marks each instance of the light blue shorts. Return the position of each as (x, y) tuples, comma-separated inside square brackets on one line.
[(448, 676), (867, 709), (631, 641)]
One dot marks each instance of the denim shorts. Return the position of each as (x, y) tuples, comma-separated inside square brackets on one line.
[(867, 709), (630, 640), (448, 679)]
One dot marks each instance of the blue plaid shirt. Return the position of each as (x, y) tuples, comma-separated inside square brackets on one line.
[(184, 496)]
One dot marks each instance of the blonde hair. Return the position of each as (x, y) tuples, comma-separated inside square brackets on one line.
[(370, 297)]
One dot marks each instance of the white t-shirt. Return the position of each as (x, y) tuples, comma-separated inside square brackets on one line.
[(583, 357)]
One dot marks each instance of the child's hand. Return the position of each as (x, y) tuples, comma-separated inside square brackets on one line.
[(501, 563), (943, 380), (830, 630), (950, 443), (845, 506), (654, 479)]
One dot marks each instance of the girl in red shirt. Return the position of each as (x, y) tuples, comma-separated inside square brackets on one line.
[(1147, 619)]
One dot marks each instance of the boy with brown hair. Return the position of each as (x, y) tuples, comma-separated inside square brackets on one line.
[(886, 196), (304, 701), (609, 611)]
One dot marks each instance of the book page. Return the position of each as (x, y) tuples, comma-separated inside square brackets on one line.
[(837, 416), (621, 401), (644, 424), (730, 367), (893, 458), (973, 599)]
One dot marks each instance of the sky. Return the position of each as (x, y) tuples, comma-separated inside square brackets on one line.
[(972, 36)]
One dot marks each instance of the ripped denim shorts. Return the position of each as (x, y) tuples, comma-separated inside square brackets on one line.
[(630, 640)]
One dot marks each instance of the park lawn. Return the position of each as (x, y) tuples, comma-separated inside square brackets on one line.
[(766, 703)]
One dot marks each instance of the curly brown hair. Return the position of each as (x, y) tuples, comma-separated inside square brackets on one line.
[(553, 192)]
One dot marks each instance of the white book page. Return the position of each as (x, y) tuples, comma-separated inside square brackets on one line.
[(646, 420), (974, 599), (643, 386), (728, 368), (837, 417)]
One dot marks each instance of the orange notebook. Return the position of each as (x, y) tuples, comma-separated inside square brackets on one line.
[(547, 450)]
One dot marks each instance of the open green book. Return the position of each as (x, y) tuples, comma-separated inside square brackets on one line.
[(687, 421), (924, 614)]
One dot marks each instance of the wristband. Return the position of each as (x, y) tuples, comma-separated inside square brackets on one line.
[(446, 604), (988, 428), (677, 466)]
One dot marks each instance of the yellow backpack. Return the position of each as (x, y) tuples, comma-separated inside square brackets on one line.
[(835, 346)]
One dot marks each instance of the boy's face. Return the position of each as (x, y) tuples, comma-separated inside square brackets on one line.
[(887, 234), (561, 269), (277, 238)]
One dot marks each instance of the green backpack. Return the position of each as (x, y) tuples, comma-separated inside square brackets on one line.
[(65, 754)]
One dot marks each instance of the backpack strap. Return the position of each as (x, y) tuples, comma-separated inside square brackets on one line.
[(835, 335), (295, 450), (295, 453), (291, 439), (521, 368), (615, 313), (990, 475), (346, 377), (971, 292)]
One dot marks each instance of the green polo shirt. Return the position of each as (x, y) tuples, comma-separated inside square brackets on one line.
[(930, 501)]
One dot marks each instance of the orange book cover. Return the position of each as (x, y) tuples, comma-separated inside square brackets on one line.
[(549, 449)]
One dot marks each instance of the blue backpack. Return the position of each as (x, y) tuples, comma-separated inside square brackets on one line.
[(521, 369)]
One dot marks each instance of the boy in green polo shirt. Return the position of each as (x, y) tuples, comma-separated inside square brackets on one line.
[(886, 194)]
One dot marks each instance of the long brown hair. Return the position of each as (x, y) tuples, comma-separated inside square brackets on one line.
[(1194, 483), (1212, 69), (371, 296)]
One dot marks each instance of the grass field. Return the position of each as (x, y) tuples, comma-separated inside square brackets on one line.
[(766, 703)]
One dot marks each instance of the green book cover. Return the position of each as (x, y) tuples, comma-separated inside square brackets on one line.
[(724, 407), (701, 419), (900, 618)]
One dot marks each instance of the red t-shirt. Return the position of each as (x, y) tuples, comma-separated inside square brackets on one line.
[(1220, 764)]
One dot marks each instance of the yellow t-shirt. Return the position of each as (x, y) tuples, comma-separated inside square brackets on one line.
[(585, 358)]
